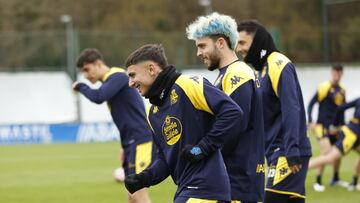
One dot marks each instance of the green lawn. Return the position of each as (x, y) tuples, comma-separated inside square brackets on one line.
[(82, 173)]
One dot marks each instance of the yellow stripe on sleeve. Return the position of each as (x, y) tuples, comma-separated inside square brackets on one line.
[(143, 156), (236, 75), (147, 116), (194, 90), (112, 71), (276, 63), (323, 90), (349, 140)]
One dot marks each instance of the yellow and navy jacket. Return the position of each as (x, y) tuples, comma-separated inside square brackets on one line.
[(284, 112), (354, 124), (244, 152), (126, 106), (329, 98), (193, 113)]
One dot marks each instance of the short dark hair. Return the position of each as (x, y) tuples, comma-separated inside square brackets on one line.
[(89, 55), (152, 52), (250, 26), (216, 36), (337, 67)]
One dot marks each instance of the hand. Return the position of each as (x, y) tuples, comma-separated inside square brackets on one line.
[(311, 126), (192, 154), (135, 182), (294, 163), (333, 130), (296, 168), (75, 85)]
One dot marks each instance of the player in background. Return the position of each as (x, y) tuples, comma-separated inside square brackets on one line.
[(127, 110), (349, 138), (190, 119), (329, 96), (216, 38), (287, 146)]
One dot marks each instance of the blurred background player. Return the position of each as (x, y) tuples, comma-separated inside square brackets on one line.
[(126, 108), (287, 146), (349, 135), (216, 38), (191, 120), (329, 96)]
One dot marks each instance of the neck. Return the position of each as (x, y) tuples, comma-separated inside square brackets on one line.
[(227, 58)]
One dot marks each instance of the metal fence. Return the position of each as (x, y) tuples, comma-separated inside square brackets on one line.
[(48, 51)]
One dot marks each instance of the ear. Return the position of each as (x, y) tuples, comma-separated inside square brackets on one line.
[(221, 42), (152, 69)]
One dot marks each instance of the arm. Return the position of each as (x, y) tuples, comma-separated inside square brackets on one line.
[(310, 107), (227, 113), (290, 115), (243, 96), (107, 90), (342, 108), (157, 172)]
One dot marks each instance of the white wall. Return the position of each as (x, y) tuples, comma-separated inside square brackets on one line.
[(48, 97), (36, 98)]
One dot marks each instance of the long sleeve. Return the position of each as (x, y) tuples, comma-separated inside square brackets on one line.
[(243, 96), (227, 114), (159, 170), (107, 90), (311, 106), (290, 110), (344, 107)]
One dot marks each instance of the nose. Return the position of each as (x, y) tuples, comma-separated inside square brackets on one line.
[(238, 48), (198, 53)]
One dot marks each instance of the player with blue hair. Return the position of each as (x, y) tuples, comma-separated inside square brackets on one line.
[(216, 37)]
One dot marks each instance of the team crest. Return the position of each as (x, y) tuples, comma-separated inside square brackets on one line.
[(173, 97), (171, 130), (338, 98), (155, 109)]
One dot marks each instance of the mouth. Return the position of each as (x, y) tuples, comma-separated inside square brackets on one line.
[(137, 86)]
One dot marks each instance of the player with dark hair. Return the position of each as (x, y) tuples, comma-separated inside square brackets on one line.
[(349, 138), (191, 120), (215, 36), (287, 146), (127, 110), (329, 95)]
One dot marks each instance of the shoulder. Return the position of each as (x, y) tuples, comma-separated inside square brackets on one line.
[(189, 83), (323, 90), (236, 75), (193, 88), (277, 62), (115, 72), (342, 86)]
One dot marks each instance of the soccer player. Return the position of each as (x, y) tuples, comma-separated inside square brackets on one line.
[(191, 120), (287, 146), (329, 95), (216, 37), (349, 138), (127, 110)]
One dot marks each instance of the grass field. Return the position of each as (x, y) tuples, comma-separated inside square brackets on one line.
[(82, 173)]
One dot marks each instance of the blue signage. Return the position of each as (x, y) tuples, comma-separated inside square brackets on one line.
[(58, 133)]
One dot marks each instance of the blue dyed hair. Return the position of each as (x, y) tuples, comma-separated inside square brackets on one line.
[(212, 25)]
